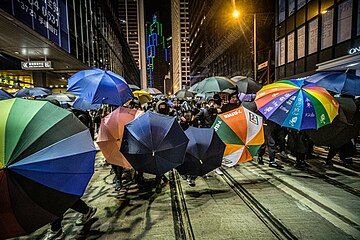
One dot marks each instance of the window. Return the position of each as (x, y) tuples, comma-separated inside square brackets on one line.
[(291, 9), (281, 10), (290, 47), (327, 29), (301, 3), (313, 36), (282, 51), (358, 21), (301, 42), (344, 21)]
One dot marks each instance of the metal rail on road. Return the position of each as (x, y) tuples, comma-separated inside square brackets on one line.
[(182, 224), (274, 225)]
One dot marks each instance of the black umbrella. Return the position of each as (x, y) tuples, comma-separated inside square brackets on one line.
[(344, 127), (246, 85), (154, 143), (204, 152), (183, 94)]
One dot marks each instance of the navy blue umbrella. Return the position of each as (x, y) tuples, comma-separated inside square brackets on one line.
[(33, 92), (82, 104), (338, 82), (204, 152), (5, 95), (100, 87), (154, 143)]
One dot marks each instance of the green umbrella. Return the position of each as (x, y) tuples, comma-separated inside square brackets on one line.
[(212, 85)]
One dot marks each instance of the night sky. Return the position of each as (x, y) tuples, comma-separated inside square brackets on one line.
[(163, 10)]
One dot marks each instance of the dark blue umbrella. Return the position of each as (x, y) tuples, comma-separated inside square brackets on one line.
[(33, 92), (204, 152), (338, 82), (100, 87), (5, 95), (82, 104), (154, 143)]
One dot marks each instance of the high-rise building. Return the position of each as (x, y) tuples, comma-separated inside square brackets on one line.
[(222, 45), (317, 35), (180, 44), (131, 14), (157, 54), (73, 35)]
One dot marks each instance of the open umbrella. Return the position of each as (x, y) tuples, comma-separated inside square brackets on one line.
[(204, 152), (213, 85), (46, 161), (246, 84), (143, 96), (100, 87), (296, 104), (153, 91), (134, 87), (60, 97), (184, 94), (83, 105), (111, 132), (154, 143), (338, 82), (5, 95), (242, 132), (33, 92)]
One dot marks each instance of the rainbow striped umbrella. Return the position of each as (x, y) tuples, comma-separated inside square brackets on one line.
[(297, 104)]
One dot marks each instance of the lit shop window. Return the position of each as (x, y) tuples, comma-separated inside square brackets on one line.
[(290, 47), (301, 42), (327, 29), (313, 36), (344, 21)]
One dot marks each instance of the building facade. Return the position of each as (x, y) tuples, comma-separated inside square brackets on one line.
[(131, 13), (157, 54), (223, 45), (317, 35), (180, 44), (72, 34)]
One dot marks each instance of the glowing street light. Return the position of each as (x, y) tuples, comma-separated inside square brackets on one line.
[(236, 13)]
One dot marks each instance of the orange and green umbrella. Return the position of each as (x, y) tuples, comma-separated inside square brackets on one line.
[(297, 104), (242, 132), (111, 132)]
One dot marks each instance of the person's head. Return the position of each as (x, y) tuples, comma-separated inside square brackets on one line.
[(162, 107), (187, 115)]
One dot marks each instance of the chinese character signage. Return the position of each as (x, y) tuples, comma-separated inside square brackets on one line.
[(36, 65), (47, 17), (313, 36), (327, 29)]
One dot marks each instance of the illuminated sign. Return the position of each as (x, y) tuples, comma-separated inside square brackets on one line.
[(36, 65), (354, 50)]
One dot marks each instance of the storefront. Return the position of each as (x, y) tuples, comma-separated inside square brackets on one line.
[(12, 81)]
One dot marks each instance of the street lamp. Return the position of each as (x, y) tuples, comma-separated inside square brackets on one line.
[(236, 15)]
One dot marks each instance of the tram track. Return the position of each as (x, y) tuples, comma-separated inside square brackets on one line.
[(182, 223), (279, 230)]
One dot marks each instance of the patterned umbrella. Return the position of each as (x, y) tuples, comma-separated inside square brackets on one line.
[(242, 132), (296, 104), (111, 132), (46, 161)]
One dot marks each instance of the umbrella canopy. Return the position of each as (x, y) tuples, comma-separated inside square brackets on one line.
[(5, 95), (344, 127), (61, 97), (111, 132), (184, 94), (33, 92), (83, 105), (242, 132), (46, 161), (143, 96), (134, 87), (100, 87), (338, 82), (295, 104), (204, 152), (153, 91), (193, 87), (213, 85), (246, 85), (154, 143)]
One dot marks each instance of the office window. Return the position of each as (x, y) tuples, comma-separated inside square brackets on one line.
[(313, 36), (327, 29), (281, 10), (301, 42), (344, 21), (290, 47), (282, 51), (291, 4), (301, 3)]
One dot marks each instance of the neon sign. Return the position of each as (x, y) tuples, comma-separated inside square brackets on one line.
[(354, 50)]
